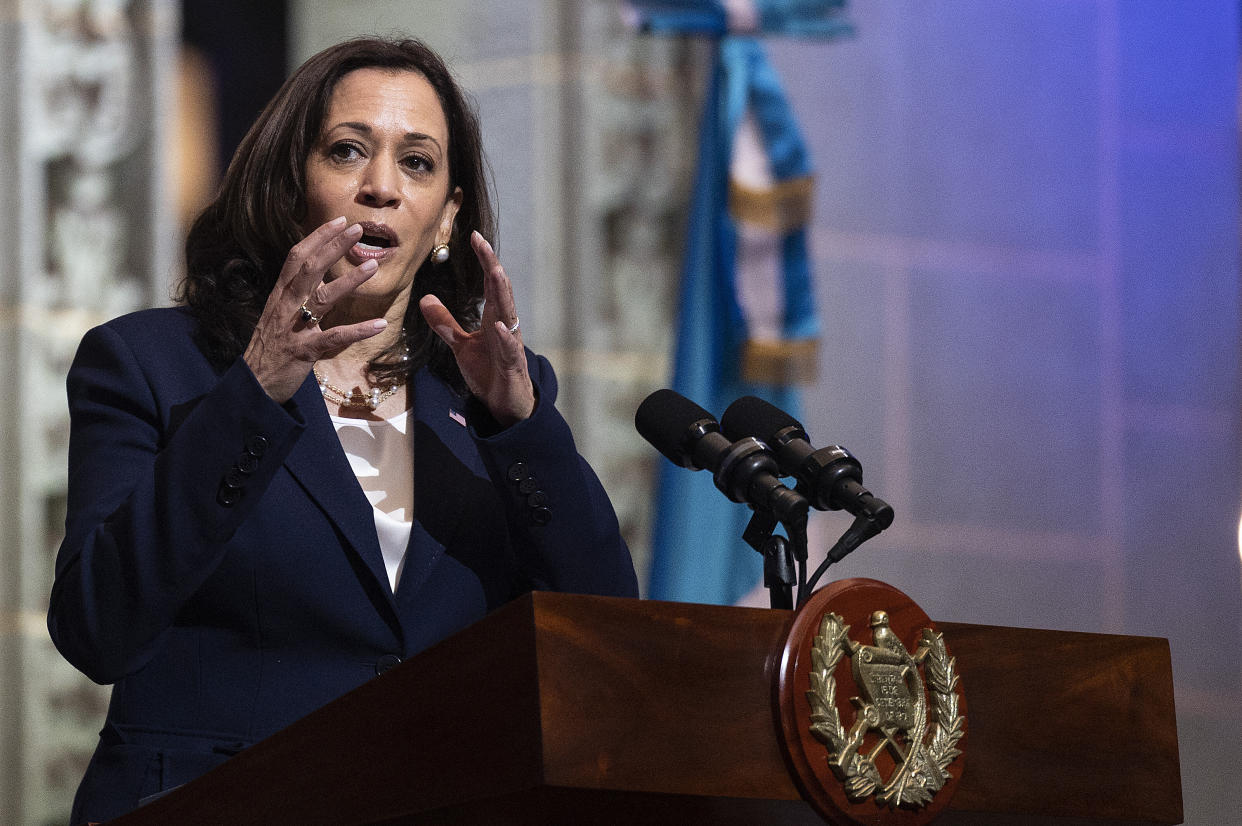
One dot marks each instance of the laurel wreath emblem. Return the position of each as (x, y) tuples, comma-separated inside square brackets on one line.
[(925, 769)]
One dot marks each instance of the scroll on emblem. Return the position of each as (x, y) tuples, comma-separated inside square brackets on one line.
[(872, 713)]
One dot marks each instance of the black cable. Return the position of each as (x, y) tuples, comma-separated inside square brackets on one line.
[(858, 533)]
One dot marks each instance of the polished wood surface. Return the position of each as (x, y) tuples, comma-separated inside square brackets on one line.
[(570, 709), (1068, 724)]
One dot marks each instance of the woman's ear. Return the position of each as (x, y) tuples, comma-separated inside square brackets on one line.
[(451, 205)]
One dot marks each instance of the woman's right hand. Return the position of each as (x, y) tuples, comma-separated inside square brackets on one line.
[(284, 348)]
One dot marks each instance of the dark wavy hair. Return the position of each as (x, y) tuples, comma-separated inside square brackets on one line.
[(238, 244)]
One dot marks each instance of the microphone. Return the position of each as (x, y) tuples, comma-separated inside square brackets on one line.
[(831, 478), (744, 470)]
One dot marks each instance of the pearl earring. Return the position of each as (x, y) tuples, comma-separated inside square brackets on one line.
[(440, 253)]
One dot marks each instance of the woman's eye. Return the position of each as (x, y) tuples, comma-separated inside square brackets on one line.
[(343, 152), (418, 163)]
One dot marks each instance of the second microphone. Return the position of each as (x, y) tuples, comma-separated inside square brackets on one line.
[(744, 470), (830, 477)]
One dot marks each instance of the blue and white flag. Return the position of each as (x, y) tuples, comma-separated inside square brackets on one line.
[(746, 320)]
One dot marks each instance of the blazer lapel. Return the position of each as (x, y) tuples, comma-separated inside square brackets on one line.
[(439, 429), (319, 464)]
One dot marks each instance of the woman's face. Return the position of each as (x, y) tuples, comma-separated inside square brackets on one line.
[(381, 160)]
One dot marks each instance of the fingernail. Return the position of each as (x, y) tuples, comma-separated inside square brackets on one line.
[(370, 265), (336, 222), (356, 229), (380, 324)]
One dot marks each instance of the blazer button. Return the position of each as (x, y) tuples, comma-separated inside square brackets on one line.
[(518, 471), (387, 663), (541, 515), (228, 496), (235, 478), (256, 446), (247, 463), (537, 499)]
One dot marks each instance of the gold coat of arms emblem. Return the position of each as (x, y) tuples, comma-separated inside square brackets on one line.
[(871, 707), (892, 704)]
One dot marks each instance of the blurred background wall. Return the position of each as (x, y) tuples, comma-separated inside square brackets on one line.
[(1025, 240)]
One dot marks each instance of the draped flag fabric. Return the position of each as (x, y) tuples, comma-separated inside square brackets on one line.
[(746, 320)]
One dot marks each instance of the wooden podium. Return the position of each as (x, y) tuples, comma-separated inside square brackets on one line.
[(564, 709)]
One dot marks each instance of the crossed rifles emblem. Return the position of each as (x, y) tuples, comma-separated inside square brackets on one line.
[(893, 704)]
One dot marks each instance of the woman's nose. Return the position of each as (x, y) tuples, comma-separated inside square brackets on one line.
[(379, 186)]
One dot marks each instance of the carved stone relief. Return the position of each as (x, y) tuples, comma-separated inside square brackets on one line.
[(93, 238), (641, 102)]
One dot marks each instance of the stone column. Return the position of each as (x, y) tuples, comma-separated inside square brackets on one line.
[(88, 233)]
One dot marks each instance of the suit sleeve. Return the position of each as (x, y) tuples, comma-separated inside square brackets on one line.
[(563, 525), (156, 489)]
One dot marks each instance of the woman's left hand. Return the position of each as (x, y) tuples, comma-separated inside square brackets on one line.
[(492, 359)]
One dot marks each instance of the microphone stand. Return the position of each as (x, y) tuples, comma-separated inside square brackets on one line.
[(779, 556)]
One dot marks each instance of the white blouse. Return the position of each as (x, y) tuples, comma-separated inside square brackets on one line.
[(381, 455)]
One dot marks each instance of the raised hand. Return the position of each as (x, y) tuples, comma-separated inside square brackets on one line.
[(286, 344), (491, 359)]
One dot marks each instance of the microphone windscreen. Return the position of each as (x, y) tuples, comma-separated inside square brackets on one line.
[(752, 416), (666, 419)]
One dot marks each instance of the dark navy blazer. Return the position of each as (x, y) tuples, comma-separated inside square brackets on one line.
[(221, 567)]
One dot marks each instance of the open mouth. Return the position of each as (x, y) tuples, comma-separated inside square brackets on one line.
[(376, 241), (376, 237)]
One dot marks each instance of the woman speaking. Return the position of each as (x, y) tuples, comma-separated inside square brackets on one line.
[(333, 453)]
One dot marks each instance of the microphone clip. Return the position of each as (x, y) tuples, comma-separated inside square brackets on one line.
[(784, 560)]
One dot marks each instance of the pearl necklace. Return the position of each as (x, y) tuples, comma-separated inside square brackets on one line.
[(355, 399)]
